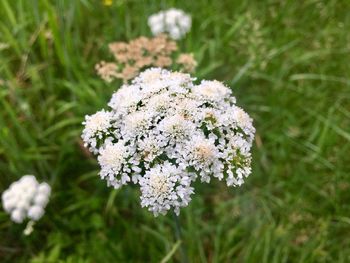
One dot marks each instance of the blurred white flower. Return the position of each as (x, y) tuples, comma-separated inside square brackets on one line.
[(26, 198), (170, 131), (173, 21)]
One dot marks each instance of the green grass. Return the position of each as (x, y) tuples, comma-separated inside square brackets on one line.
[(288, 65)]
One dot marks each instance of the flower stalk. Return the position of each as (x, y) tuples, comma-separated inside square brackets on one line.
[(178, 236)]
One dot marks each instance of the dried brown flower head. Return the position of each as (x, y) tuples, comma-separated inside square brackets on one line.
[(141, 53), (107, 70), (187, 61)]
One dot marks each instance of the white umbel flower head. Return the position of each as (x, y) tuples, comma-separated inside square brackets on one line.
[(204, 157), (173, 21), (26, 198), (96, 126), (114, 166), (164, 187), (168, 132)]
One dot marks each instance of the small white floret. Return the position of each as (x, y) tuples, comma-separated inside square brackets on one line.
[(35, 212), (44, 188), (17, 216), (41, 199)]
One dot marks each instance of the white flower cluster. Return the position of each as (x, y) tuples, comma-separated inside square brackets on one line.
[(173, 21), (163, 132), (26, 198)]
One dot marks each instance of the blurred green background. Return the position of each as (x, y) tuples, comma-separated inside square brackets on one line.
[(288, 63)]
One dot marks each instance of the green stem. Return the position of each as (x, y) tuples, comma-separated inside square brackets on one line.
[(184, 257)]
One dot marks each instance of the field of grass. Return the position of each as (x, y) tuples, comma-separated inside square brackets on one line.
[(288, 63)]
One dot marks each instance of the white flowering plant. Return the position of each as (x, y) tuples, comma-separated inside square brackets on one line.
[(26, 198), (174, 22), (163, 132)]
